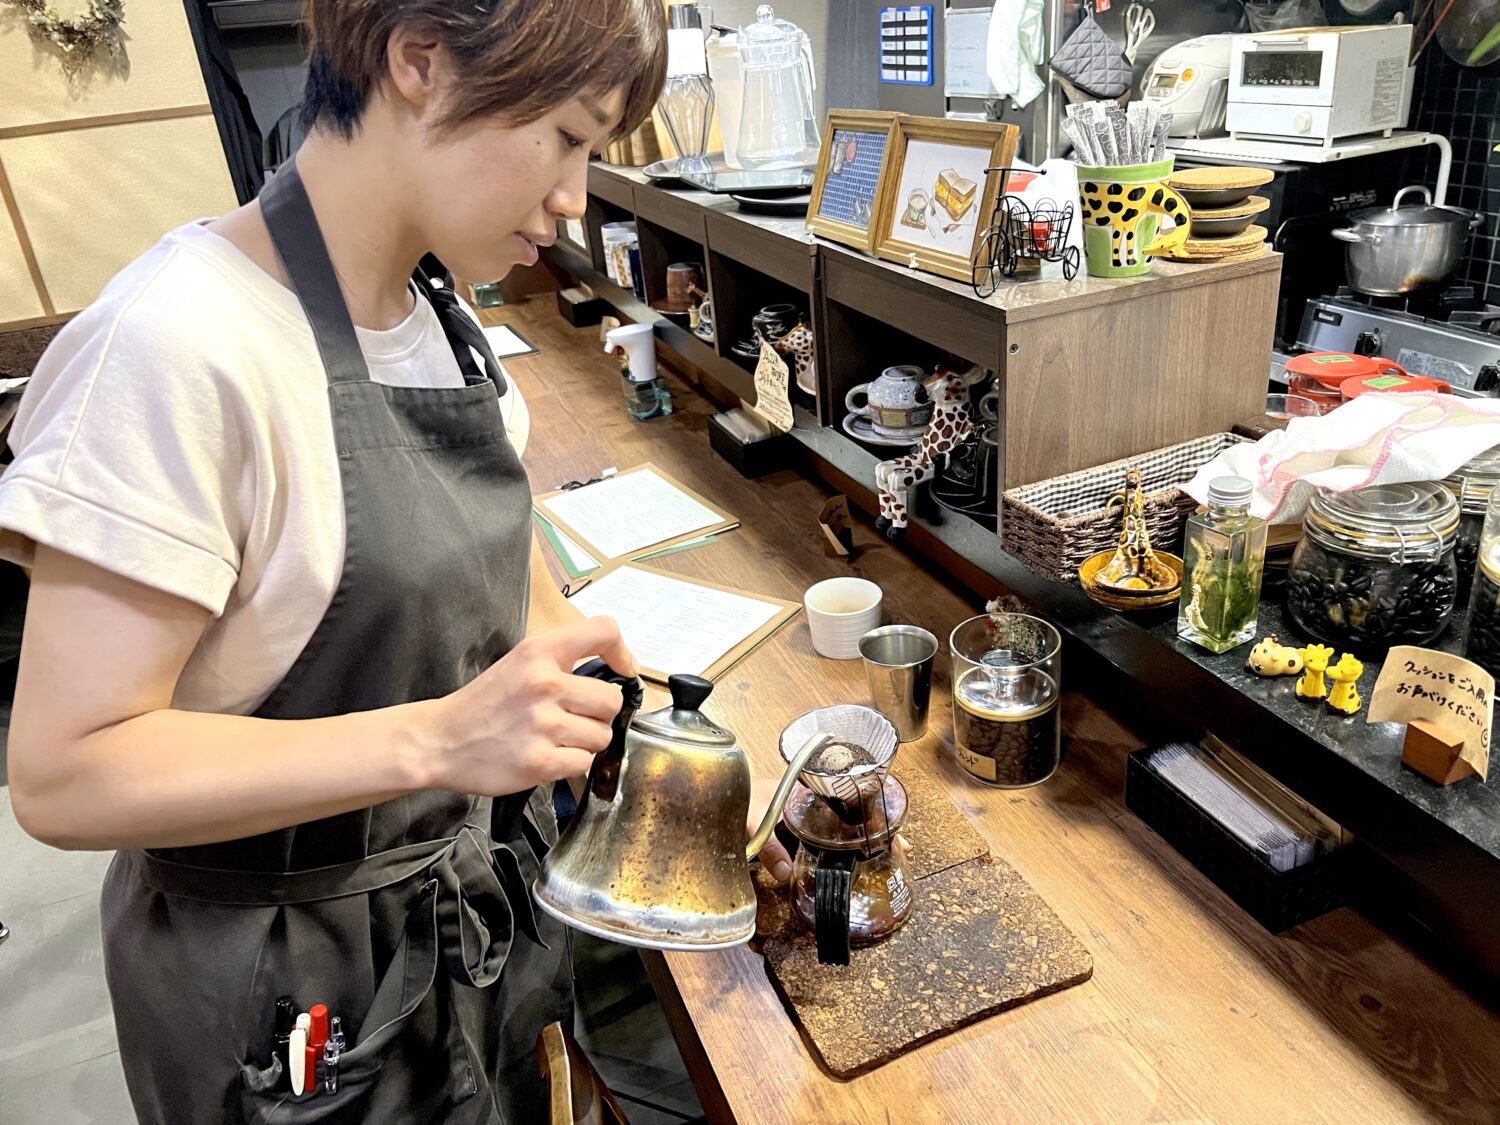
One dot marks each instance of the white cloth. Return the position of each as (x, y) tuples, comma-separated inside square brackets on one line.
[(177, 432), (1374, 439), (1016, 46)]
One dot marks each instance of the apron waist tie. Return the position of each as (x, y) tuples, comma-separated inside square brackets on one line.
[(481, 892)]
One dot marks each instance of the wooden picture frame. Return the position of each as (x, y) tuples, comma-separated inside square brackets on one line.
[(909, 228), (841, 224)]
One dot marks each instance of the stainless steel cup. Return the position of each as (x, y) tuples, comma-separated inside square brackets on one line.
[(898, 664)]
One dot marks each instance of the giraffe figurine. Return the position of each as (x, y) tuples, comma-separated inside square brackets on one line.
[(1344, 698), (1311, 685), (952, 422), (1134, 565), (798, 346)]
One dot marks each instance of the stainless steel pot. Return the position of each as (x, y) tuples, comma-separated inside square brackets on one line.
[(1396, 250)]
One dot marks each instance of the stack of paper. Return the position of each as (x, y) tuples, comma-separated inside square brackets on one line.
[(675, 624), (638, 514)]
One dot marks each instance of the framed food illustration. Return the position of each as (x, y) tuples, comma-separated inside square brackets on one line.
[(940, 191), (851, 167)]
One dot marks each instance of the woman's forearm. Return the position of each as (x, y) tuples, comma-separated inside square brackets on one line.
[(174, 778)]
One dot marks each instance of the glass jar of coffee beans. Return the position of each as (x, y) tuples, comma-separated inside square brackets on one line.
[(1376, 566), (1472, 486), (1483, 643)]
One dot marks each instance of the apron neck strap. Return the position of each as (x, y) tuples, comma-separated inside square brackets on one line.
[(299, 242)]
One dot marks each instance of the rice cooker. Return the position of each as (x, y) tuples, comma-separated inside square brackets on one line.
[(1192, 81)]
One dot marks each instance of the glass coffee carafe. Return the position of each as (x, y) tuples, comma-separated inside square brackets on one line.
[(777, 128), (864, 853)]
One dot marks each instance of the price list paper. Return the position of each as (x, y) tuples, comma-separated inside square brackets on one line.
[(1442, 689)]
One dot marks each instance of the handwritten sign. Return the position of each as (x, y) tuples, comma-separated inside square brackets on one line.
[(1445, 690), (772, 401)]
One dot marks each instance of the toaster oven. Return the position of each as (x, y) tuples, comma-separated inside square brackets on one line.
[(1318, 85)]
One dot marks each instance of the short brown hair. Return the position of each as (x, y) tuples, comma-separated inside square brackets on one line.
[(520, 58)]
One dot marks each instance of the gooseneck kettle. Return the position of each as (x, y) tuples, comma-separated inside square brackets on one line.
[(656, 854)]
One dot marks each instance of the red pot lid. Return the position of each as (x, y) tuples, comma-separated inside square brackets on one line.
[(1399, 384), (1330, 369)]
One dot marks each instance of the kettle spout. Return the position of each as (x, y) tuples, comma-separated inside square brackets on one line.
[(778, 800)]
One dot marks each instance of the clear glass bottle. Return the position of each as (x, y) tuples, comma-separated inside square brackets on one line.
[(1223, 558), (646, 398)]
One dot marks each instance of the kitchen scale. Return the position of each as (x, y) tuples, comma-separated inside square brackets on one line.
[(1450, 334)]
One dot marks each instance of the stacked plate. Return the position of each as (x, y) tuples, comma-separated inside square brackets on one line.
[(1223, 213)]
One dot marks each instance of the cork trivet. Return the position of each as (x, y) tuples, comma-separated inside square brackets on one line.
[(1220, 179), (979, 941), (938, 834), (1252, 206)]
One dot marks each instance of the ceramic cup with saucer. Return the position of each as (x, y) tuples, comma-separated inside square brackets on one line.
[(896, 404)]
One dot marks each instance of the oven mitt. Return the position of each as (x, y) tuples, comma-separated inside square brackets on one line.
[(1092, 61)]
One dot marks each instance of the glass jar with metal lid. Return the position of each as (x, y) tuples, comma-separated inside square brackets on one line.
[(1376, 566), (1472, 485), (1482, 645)]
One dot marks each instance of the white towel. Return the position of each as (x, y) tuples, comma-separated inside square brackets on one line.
[(1373, 439)]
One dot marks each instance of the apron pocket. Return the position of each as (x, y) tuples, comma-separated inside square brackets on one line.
[(409, 1062)]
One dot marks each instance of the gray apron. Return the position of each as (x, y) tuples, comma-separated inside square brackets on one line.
[(410, 920)]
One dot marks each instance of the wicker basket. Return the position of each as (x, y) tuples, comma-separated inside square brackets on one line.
[(1054, 525)]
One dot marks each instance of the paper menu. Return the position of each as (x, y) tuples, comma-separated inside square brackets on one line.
[(628, 513), (674, 624)]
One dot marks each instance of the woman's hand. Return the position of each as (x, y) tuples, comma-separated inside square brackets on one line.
[(774, 857), (527, 720)]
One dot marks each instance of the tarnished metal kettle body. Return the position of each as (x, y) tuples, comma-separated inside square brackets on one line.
[(656, 854)]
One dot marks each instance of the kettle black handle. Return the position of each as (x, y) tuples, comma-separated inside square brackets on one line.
[(833, 886), (604, 774)]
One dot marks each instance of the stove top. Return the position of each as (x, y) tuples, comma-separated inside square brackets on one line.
[(1449, 334)]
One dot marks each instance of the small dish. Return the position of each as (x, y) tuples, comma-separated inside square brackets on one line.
[(861, 428), (1118, 600)]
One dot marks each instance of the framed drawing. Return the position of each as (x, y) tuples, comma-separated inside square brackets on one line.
[(938, 198), (851, 169)]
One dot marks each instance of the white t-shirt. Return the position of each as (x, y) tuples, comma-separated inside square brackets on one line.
[(178, 432)]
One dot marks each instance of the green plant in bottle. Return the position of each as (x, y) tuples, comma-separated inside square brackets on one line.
[(1223, 559)]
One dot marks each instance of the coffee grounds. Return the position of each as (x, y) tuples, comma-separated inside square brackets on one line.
[(840, 757)]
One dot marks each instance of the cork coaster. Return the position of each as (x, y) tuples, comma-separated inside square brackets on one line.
[(1218, 247), (1220, 179), (1252, 206), (980, 941), (939, 835)]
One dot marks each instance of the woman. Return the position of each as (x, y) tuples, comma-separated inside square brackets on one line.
[(280, 585)]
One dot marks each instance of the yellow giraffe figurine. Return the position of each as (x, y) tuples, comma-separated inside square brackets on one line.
[(1311, 685), (1345, 674)]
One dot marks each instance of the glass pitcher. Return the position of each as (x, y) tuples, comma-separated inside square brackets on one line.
[(777, 127)]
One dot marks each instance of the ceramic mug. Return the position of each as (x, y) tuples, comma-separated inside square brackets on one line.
[(775, 321), (704, 328), (684, 284), (896, 404), (1122, 214)]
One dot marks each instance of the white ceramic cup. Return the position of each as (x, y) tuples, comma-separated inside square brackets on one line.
[(839, 612)]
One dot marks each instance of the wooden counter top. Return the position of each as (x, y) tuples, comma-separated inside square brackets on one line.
[(1194, 1013)]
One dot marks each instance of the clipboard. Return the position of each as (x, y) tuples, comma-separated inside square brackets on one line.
[(780, 612), (720, 520)]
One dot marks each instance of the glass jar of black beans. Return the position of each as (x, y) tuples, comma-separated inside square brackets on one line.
[(1376, 567), (1472, 486)]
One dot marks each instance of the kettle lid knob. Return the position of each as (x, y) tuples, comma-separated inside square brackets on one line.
[(688, 691)]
